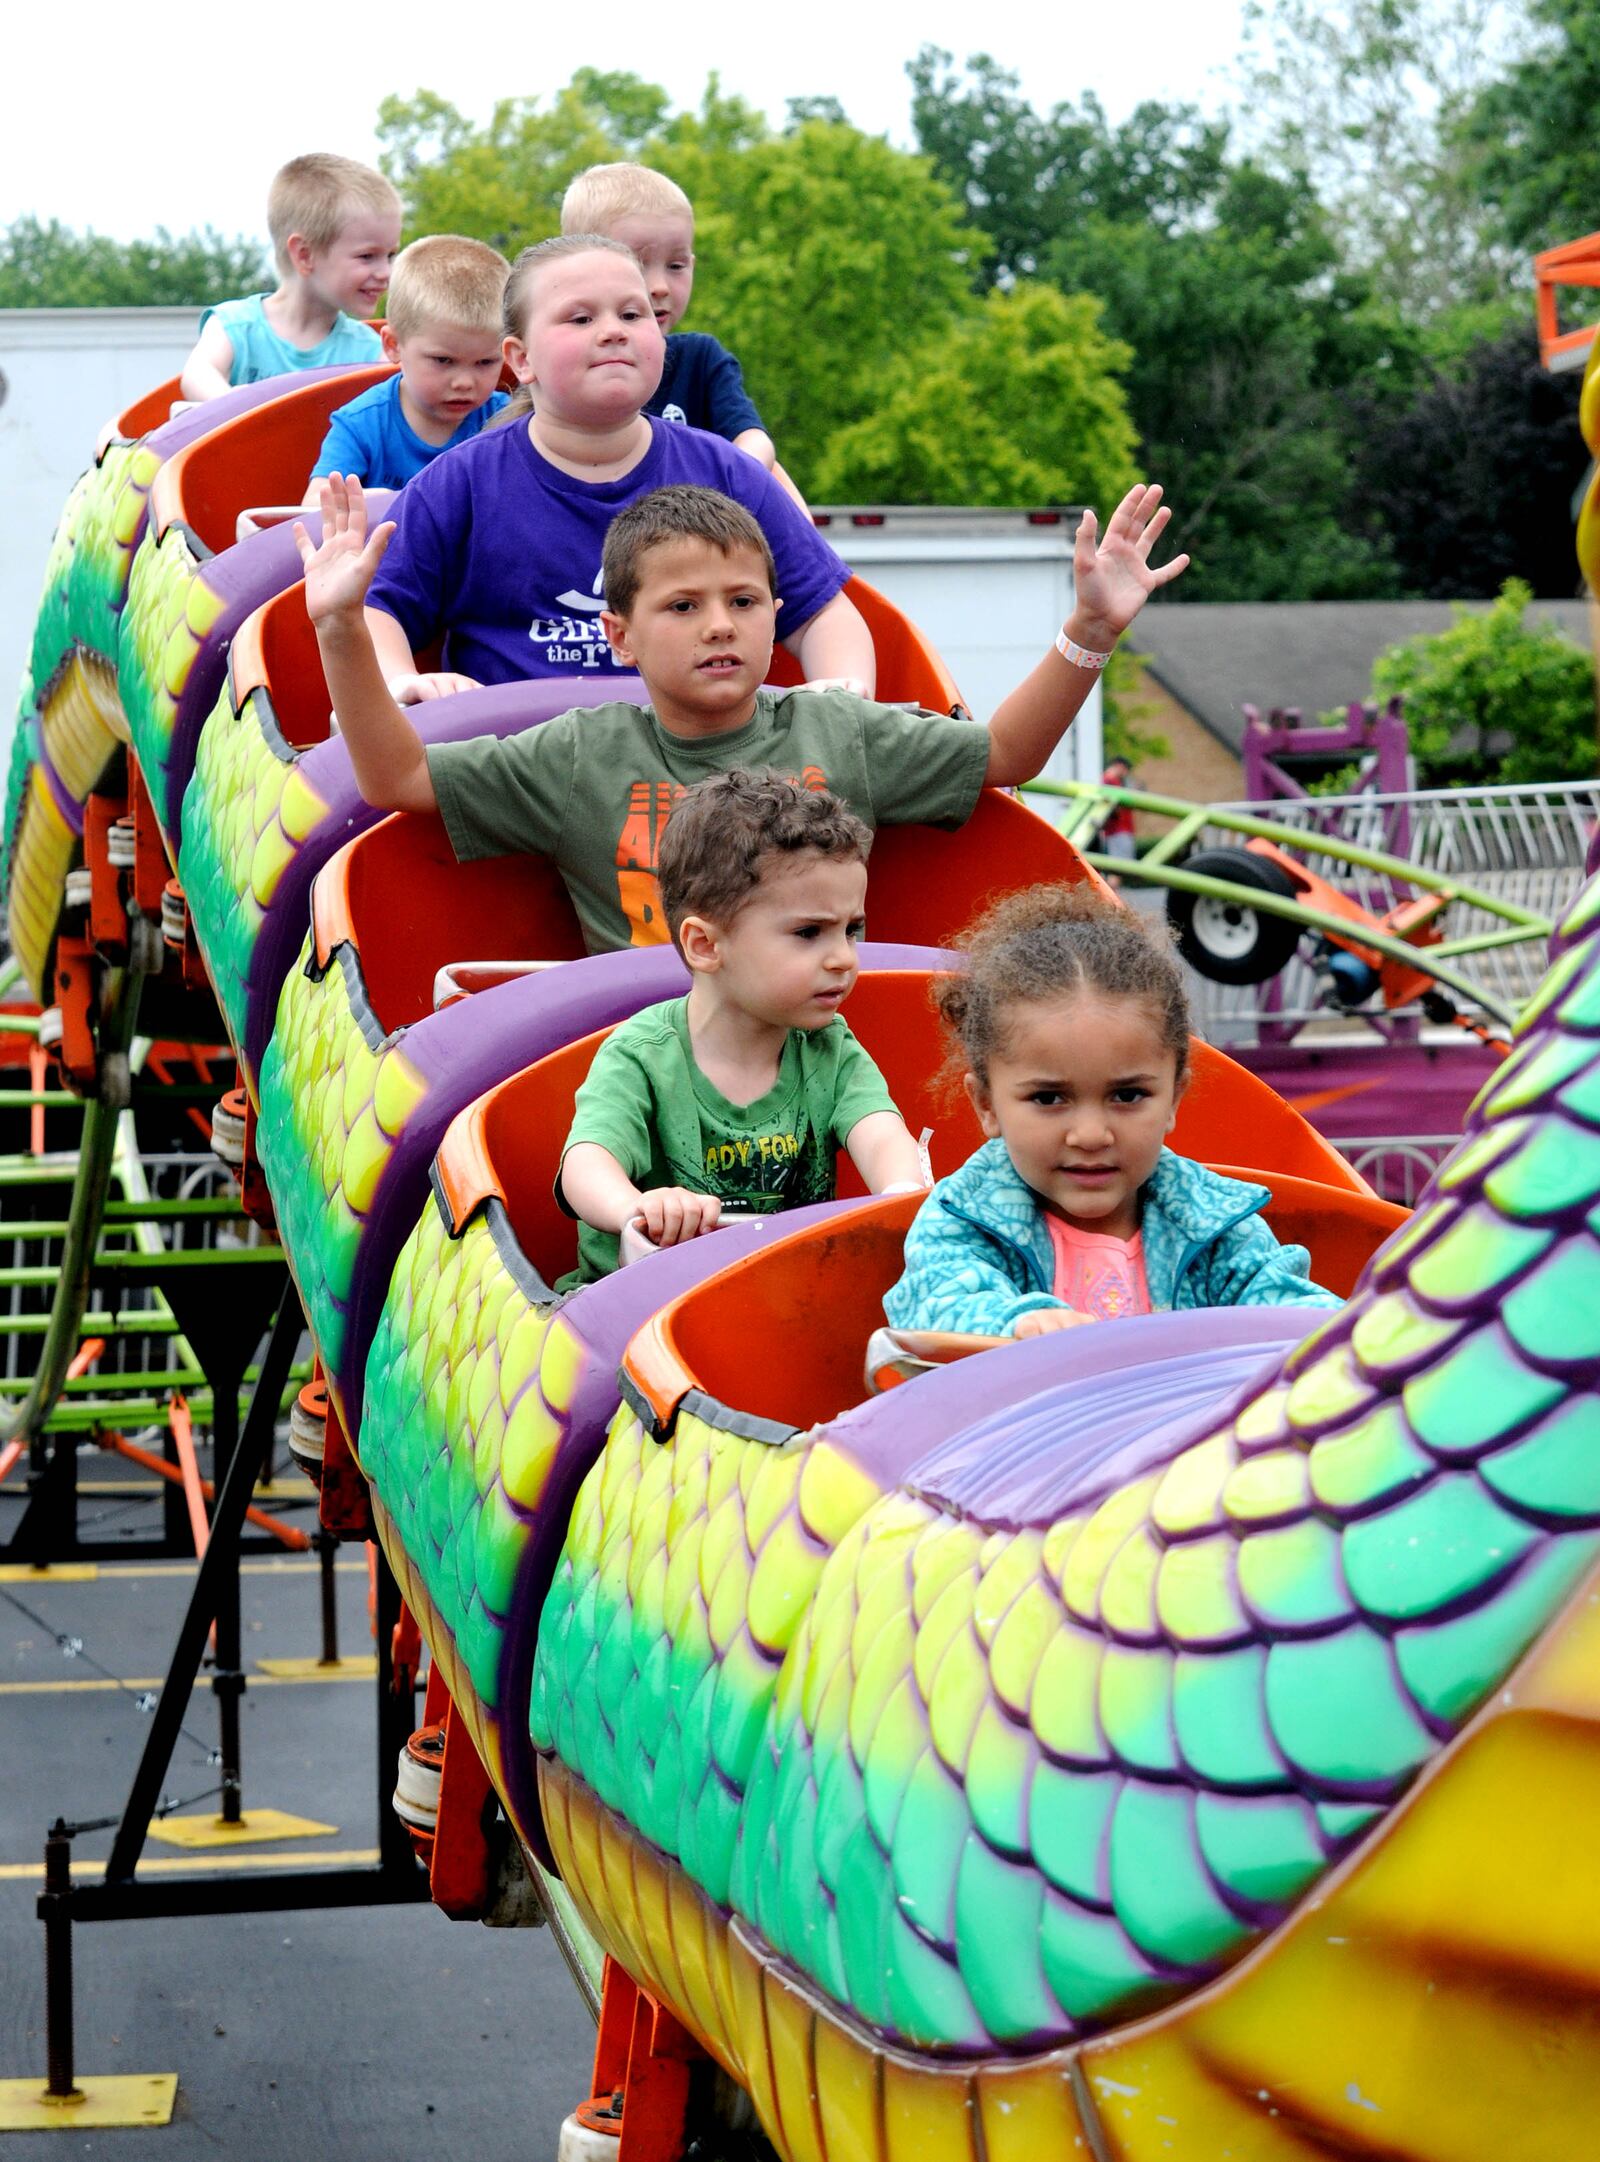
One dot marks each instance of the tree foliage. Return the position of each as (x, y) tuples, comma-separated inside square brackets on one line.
[(1475, 471), (1364, 99), (1033, 355), (1027, 177), (1532, 135), (46, 265), (1249, 340), (1494, 698)]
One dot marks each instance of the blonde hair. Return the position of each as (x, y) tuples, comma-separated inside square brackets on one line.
[(447, 280), (603, 193), (518, 297), (317, 196)]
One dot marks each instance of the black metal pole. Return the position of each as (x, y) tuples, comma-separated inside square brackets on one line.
[(327, 1547), (227, 1678), (397, 1716), (55, 1911), (221, 1557)]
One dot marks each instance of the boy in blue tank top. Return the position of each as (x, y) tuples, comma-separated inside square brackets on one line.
[(702, 385), (335, 229), (442, 330)]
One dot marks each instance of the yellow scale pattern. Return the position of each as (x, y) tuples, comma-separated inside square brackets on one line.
[(461, 1359), (256, 809), (41, 857), (169, 612), (81, 721), (1428, 1960), (340, 1104)]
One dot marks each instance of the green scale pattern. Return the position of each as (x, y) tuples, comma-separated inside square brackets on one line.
[(235, 844), (170, 609), (1003, 1786), (334, 1093), (52, 627), (102, 559), (18, 766), (467, 1390)]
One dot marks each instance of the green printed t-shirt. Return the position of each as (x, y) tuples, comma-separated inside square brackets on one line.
[(648, 1102), (592, 789)]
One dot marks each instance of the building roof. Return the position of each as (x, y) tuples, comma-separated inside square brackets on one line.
[(1216, 657)]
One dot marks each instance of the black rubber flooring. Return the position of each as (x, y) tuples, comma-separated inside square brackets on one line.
[(361, 2034)]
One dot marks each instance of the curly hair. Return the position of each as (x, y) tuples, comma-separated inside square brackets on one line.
[(724, 832), (1046, 943)]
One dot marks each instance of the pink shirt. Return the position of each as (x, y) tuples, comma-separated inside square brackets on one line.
[(1098, 1275)]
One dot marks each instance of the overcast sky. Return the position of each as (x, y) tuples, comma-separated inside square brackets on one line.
[(113, 123)]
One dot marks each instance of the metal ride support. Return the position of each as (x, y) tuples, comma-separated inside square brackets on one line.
[(120, 1894)]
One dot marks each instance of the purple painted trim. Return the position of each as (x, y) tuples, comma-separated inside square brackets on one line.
[(1085, 1435), (65, 802), (898, 1436)]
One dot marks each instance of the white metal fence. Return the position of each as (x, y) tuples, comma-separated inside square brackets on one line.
[(1524, 845)]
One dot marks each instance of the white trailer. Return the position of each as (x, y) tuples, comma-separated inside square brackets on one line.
[(990, 587)]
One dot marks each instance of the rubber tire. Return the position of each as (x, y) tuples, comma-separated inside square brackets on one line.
[(1275, 937)]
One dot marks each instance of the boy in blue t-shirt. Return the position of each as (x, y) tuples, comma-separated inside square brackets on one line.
[(335, 229), (443, 331), (701, 382)]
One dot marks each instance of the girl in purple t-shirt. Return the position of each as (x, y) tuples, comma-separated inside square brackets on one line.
[(497, 545)]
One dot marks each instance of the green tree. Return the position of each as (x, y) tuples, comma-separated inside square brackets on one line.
[(1364, 98), (821, 256), (503, 182), (1494, 698), (1025, 177), (50, 266), (1532, 137), (1248, 342), (1020, 403)]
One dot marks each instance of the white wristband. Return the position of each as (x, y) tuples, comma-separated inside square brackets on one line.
[(1079, 656)]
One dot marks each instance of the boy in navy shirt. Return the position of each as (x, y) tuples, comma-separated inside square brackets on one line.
[(443, 332), (701, 382)]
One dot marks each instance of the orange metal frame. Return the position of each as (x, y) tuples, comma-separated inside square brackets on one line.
[(1576, 262)]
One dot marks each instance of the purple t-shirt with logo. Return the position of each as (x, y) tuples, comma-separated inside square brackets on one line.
[(500, 550)]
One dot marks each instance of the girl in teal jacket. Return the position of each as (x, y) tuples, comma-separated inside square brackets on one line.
[(1070, 1031)]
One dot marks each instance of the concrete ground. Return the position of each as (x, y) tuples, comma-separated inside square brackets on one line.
[(369, 2034)]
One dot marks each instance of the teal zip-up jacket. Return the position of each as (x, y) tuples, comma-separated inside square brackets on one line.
[(978, 1254)]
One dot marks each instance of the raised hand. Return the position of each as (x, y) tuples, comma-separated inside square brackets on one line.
[(340, 568), (1114, 579)]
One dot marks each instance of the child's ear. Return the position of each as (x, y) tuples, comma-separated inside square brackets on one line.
[(391, 344), (616, 630), (301, 254), (697, 942), (517, 359), (981, 1102)]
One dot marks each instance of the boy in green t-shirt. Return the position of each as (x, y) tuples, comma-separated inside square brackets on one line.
[(742, 1092), (690, 603)]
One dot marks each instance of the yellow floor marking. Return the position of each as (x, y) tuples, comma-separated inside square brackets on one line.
[(273, 1674), (53, 1572), (256, 1825), (183, 1865), (362, 1668), (98, 2103), (296, 1490), (290, 1566)]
